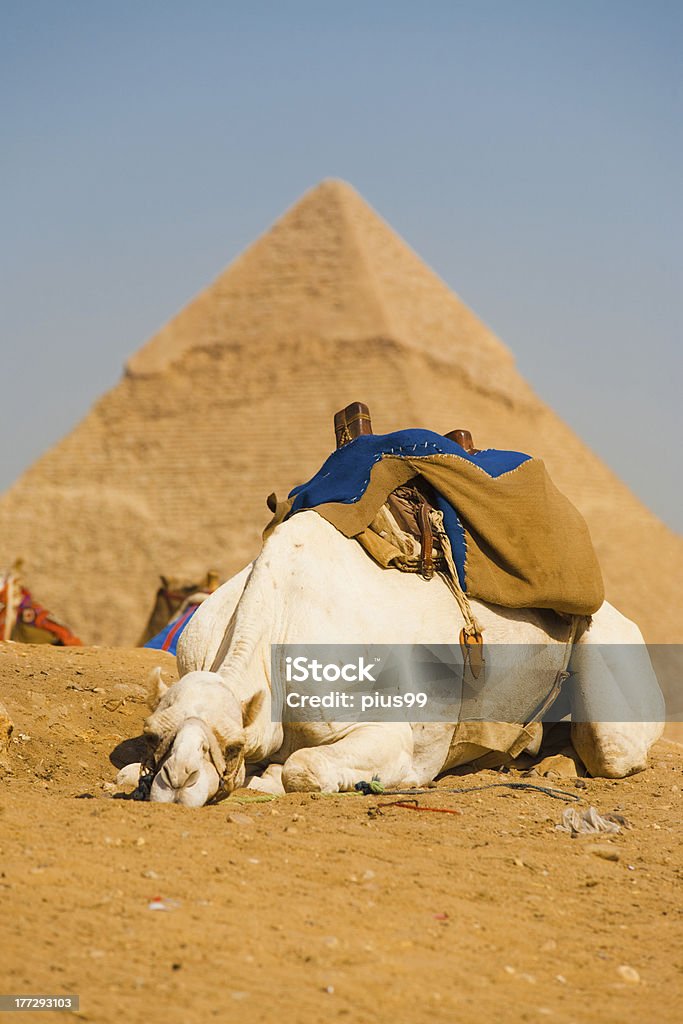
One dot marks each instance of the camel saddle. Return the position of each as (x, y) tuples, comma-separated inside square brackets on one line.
[(406, 513)]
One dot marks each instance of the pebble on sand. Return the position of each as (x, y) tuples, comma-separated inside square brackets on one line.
[(629, 974), (604, 851), (238, 818)]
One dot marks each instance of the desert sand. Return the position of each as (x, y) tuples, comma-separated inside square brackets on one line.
[(307, 908)]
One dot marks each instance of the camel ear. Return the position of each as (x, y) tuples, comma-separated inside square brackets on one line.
[(252, 708), (156, 687)]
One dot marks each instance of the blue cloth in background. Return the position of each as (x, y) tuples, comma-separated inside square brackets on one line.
[(167, 639)]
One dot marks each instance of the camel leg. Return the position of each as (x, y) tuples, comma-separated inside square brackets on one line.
[(269, 781), (368, 749), (617, 705)]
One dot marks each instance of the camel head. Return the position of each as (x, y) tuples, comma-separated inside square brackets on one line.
[(197, 736)]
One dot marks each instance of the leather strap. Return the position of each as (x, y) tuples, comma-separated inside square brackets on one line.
[(426, 539)]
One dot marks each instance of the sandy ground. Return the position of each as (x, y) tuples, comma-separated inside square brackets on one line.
[(309, 908)]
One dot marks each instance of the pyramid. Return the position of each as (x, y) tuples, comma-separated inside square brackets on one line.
[(234, 397)]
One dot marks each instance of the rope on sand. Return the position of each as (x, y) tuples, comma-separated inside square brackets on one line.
[(375, 788), (413, 805)]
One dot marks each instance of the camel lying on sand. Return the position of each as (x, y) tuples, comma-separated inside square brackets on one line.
[(220, 724)]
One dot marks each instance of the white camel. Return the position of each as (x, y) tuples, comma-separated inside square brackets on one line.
[(311, 585)]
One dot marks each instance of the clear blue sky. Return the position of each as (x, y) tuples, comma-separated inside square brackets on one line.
[(529, 150)]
